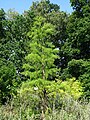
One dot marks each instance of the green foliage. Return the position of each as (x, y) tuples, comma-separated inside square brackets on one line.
[(40, 60), (76, 48), (43, 7), (7, 80), (43, 93), (78, 4), (79, 69), (78, 42), (11, 14), (45, 43), (38, 48), (49, 11), (2, 19), (13, 39), (70, 87)]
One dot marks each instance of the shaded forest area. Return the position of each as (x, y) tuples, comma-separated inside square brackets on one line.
[(45, 62)]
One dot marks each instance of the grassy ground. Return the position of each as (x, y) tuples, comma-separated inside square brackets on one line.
[(70, 110)]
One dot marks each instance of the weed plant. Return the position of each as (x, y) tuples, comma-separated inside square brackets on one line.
[(70, 110)]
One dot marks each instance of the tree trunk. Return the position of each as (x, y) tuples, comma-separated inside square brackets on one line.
[(42, 115), (43, 72)]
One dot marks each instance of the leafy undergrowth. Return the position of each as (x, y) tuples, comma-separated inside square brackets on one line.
[(69, 109)]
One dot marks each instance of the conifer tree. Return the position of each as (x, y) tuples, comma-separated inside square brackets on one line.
[(40, 60)]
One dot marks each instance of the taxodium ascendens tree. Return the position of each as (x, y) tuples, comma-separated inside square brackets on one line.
[(40, 60)]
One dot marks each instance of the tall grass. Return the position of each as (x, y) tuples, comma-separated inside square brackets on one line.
[(70, 110)]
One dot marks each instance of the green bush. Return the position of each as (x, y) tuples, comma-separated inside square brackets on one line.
[(42, 94)]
